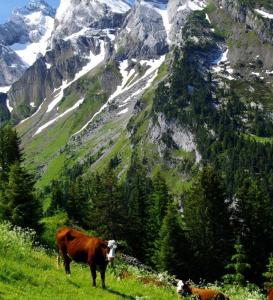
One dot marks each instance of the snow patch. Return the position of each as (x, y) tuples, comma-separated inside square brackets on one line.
[(4, 89), (76, 105), (124, 111), (221, 65), (29, 52), (94, 60), (222, 58), (208, 19), (154, 66), (76, 34), (116, 6), (64, 6), (10, 108), (196, 5), (264, 14)]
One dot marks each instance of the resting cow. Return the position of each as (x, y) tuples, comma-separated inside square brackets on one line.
[(184, 289), (74, 245), (270, 294)]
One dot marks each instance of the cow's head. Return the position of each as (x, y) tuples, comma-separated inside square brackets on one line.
[(112, 246), (183, 288)]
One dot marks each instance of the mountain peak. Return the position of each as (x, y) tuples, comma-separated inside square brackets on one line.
[(35, 6)]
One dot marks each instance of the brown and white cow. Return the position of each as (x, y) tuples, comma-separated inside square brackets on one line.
[(184, 289), (74, 245)]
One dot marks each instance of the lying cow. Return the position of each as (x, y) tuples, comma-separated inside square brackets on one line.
[(184, 289), (74, 245)]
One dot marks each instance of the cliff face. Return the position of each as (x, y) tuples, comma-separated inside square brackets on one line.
[(253, 18)]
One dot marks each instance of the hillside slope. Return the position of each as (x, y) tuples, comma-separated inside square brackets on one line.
[(31, 274)]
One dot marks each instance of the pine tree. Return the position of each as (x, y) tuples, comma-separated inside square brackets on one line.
[(78, 206), (10, 151), (207, 222), (157, 210), (57, 196), (172, 251), (238, 266), (107, 215), (268, 275), (19, 204), (138, 188), (253, 222)]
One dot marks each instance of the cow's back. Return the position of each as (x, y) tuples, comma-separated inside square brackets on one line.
[(208, 294), (80, 247)]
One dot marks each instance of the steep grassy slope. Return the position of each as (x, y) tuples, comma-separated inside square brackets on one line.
[(32, 274)]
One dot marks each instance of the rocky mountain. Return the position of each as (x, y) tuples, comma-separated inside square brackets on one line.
[(150, 79), (23, 38)]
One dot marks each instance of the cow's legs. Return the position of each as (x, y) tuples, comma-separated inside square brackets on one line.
[(102, 275), (93, 273), (67, 261)]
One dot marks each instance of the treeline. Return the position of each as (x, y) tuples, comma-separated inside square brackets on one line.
[(192, 237)]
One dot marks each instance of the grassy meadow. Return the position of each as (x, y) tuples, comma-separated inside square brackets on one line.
[(28, 272)]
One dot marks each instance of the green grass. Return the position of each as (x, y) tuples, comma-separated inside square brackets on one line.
[(260, 93), (32, 274)]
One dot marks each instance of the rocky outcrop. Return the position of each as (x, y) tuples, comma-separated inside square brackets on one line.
[(79, 26), (252, 19), (181, 138), (26, 25), (4, 112), (11, 66), (143, 35), (75, 15), (48, 73)]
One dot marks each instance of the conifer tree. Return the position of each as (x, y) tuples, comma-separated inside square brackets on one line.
[(207, 222), (137, 192), (10, 151), (238, 266), (157, 209), (19, 204), (57, 196), (107, 215), (253, 221), (268, 275), (78, 203), (171, 248)]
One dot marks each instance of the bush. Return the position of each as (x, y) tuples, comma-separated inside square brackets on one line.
[(14, 240)]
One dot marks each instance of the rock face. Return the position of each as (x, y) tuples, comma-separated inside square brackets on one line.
[(26, 24), (75, 15), (145, 31), (152, 27), (143, 35), (11, 66), (253, 20), (30, 25), (79, 28)]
